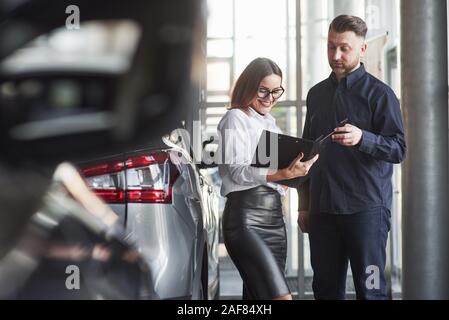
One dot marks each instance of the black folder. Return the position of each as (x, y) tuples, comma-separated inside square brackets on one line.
[(288, 148)]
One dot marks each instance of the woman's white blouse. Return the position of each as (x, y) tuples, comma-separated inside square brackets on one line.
[(239, 133)]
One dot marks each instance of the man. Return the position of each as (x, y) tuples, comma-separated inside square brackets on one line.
[(345, 205)]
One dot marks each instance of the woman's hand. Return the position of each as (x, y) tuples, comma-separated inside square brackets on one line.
[(298, 168), (295, 169)]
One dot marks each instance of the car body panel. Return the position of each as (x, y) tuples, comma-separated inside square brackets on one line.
[(157, 231), (174, 238)]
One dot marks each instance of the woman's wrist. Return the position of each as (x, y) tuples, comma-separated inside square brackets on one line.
[(284, 174), (281, 174)]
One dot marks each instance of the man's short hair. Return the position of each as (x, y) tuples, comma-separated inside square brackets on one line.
[(345, 23)]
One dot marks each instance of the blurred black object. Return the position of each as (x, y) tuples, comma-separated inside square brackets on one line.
[(73, 231), (152, 97), (21, 194), (42, 228)]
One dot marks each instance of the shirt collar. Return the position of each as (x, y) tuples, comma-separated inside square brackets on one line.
[(352, 77), (257, 115)]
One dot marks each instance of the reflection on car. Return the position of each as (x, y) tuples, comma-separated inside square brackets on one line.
[(170, 211)]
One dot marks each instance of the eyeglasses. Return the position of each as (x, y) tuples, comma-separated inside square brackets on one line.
[(276, 93)]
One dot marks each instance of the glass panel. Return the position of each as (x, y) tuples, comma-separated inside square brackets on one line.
[(218, 98), (213, 117), (257, 38), (220, 48), (218, 76), (314, 25), (219, 22), (381, 16), (291, 73), (263, 28), (249, 49), (286, 121), (216, 111), (252, 17), (395, 236)]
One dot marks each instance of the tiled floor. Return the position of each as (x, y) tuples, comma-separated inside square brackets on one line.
[(231, 283)]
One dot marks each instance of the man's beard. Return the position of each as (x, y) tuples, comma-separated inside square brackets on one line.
[(346, 69)]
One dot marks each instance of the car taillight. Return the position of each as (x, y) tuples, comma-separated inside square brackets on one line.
[(150, 178), (140, 179), (107, 181)]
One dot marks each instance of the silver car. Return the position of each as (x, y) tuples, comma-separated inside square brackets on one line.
[(85, 83), (170, 211)]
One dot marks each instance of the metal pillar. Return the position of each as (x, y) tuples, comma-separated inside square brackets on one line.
[(425, 104)]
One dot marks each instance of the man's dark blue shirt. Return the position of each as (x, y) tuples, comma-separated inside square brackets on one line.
[(353, 179)]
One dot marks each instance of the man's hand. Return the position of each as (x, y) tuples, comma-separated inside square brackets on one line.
[(348, 135), (303, 220)]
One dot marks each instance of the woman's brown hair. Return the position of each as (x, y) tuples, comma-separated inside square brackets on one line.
[(246, 86)]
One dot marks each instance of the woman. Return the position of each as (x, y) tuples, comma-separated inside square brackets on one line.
[(253, 224)]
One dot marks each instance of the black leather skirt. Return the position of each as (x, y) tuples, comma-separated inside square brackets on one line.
[(255, 238)]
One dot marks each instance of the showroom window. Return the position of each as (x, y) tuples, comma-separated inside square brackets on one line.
[(239, 31)]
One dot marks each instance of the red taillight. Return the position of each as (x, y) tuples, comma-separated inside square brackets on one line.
[(106, 168), (150, 178), (142, 161), (140, 179), (111, 196), (149, 196)]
